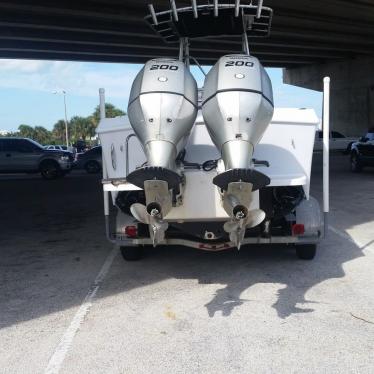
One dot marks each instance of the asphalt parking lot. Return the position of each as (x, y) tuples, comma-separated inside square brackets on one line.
[(70, 304)]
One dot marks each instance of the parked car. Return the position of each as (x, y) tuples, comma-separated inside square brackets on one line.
[(80, 145), (338, 141), (59, 147), (89, 160), (23, 155), (362, 152)]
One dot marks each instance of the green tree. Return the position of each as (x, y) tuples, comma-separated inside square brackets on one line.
[(26, 131), (58, 132), (81, 128), (42, 135), (13, 134), (110, 112)]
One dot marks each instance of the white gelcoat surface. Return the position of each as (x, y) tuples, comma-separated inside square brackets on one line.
[(201, 200), (287, 145)]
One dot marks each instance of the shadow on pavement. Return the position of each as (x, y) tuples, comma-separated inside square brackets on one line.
[(52, 245), (238, 271)]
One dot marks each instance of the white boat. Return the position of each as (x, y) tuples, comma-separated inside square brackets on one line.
[(226, 172)]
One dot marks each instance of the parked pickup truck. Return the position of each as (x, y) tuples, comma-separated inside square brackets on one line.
[(23, 155), (362, 152), (338, 141)]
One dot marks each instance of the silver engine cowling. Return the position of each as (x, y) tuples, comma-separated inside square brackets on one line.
[(162, 109), (237, 107)]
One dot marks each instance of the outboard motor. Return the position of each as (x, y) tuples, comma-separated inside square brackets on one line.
[(237, 108), (162, 110)]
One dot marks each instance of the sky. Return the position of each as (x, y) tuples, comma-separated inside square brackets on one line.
[(27, 90)]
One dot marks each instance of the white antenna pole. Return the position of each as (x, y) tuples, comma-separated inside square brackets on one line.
[(326, 150), (105, 173), (102, 102)]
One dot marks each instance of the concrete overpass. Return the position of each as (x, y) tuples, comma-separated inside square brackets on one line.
[(309, 38)]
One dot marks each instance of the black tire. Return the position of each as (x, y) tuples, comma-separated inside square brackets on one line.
[(50, 169), (306, 251), (356, 166), (132, 253), (92, 167)]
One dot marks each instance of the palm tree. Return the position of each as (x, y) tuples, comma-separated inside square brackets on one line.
[(83, 127), (42, 135), (80, 128), (26, 131), (58, 131), (110, 112)]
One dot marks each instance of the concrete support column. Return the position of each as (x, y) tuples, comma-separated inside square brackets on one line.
[(352, 91)]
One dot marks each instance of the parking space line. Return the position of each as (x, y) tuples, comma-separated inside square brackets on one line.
[(58, 357)]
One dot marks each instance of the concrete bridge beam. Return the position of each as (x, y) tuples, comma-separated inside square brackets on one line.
[(352, 91)]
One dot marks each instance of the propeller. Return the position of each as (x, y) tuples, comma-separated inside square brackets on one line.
[(254, 218), (151, 215), (241, 220), (139, 211)]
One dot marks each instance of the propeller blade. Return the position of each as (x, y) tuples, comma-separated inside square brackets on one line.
[(158, 231), (158, 226), (139, 211), (230, 226), (237, 237), (161, 225), (236, 228), (255, 217)]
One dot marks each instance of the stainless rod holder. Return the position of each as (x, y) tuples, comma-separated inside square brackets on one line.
[(237, 4), (181, 49), (174, 9), (194, 8), (259, 8), (198, 65), (245, 43), (153, 14)]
